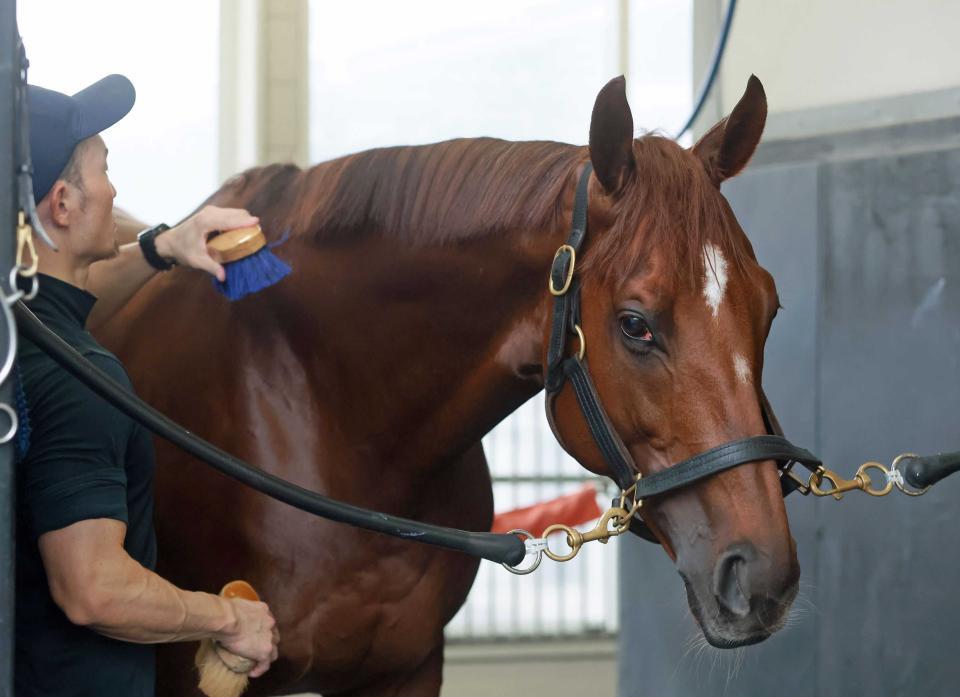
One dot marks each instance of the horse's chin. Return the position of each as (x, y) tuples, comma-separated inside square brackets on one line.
[(725, 631)]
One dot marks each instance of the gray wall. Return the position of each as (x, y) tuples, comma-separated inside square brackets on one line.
[(862, 233)]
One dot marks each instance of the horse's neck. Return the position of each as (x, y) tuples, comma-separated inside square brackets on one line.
[(420, 349)]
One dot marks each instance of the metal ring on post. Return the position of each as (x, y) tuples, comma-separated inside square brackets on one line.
[(18, 294), (14, 423), (7, 366), (538, 556)]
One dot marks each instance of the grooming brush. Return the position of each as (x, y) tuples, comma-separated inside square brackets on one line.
[(224, 674), (249, 264)]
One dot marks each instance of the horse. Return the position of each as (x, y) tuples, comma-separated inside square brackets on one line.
[(416, 318)]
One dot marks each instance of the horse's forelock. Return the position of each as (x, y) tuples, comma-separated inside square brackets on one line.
[(670, 207)]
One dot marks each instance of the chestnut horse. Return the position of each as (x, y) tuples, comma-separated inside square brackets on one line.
[(415, 320)]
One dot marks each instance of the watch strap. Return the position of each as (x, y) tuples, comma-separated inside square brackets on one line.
[(148, 245)]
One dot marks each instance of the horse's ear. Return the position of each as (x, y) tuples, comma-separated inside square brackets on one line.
[(727, 147), (611, 136)]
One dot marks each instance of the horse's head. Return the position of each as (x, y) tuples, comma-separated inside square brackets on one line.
[(676, 311)]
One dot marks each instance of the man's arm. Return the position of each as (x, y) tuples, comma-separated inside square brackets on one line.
[(114, 281), (98, 585)]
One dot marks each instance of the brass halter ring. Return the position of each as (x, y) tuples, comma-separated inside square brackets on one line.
[(583, 341)]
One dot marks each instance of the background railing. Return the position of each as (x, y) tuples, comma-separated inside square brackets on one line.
[(574, 599)]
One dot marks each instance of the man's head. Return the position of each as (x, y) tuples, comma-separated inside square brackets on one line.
[(78, 209), (74, 194)]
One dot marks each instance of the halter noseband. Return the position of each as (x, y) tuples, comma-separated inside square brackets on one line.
[(565, 287)]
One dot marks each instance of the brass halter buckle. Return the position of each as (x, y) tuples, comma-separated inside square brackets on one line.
[(569, 276)]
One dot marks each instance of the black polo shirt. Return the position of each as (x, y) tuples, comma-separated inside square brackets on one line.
[(86, 460)]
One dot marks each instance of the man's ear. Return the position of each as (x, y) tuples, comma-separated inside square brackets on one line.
[(611, 136), (728, 146), (59, 203)]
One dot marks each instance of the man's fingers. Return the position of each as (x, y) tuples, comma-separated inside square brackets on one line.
[(212, 218), (214, 254), (206, 263), (260, 669)]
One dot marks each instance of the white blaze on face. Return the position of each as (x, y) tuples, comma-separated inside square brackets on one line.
[(714, 277), (742, 368)]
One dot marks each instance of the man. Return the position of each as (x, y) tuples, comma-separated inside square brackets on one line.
[(88, 602)]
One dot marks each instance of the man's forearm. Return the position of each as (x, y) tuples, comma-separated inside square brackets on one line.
[(98, 585), (134, 604)]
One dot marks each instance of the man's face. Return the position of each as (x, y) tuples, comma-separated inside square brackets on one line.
[(93, 229)]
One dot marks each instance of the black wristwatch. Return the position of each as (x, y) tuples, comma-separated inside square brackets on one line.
[(148, 246)]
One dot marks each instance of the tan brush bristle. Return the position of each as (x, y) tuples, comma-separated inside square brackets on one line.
[(217, 677)]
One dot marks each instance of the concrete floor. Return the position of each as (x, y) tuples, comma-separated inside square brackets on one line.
[(562, 668), (520, 669)]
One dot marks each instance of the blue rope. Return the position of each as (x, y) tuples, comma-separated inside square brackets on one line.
[(22, 443), (707, 85)]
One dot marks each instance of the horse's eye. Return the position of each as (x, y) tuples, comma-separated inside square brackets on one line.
[(635, 328)]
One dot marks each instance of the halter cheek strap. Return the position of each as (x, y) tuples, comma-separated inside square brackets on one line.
[(561, 369)]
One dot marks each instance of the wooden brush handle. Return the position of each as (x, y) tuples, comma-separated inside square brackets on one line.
[(239, 589), (237, 244)]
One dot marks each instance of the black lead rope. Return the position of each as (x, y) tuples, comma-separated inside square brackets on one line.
[(503, 549), (922, 472)]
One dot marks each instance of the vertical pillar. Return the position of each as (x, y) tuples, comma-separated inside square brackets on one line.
[(264, 100), (286, 100), (623, 38), (9, 74)]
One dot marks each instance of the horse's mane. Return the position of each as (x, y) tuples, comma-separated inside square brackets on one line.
[(466, 188)]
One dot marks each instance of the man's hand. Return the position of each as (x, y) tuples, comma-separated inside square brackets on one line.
[(186, 244), (254, 635)]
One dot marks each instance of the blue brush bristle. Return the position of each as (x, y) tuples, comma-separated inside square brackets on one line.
[(252, 274)]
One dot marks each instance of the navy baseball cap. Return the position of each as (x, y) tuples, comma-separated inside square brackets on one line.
[(58, 123)]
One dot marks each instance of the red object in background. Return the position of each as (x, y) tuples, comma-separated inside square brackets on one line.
[(573, 509)]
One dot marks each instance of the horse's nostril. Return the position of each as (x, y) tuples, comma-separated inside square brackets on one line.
[(731, 580)]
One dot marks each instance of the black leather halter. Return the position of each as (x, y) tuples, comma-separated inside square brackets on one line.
[(565, 287)]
